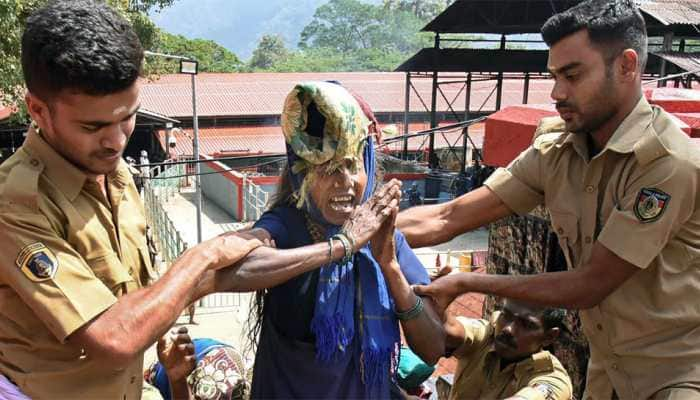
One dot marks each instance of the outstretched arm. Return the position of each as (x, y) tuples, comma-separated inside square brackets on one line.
[(580, 288), (439, 223), (267, 267)]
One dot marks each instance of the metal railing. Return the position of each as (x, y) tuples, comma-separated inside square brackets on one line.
[(254, 200), (161, 186)]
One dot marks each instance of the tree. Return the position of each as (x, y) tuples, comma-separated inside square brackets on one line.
[(13, 15), (270, 51), (344, 25), (211, 56), (425, 10)]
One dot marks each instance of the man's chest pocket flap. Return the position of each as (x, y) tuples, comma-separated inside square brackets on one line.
[(109, 269)]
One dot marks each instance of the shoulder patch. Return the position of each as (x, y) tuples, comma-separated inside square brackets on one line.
[(650, 204), (547, 391), (37, 262)]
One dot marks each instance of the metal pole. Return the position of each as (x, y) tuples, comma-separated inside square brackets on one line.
[(406, 119), (468, 97), (526, 89), (195, 150), (432, 159), (667, 46)]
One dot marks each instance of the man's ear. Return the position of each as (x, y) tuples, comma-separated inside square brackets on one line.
[(629, 65), (38, 110), (550, 336)]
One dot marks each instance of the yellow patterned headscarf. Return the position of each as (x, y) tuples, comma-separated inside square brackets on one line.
[(343, 135)]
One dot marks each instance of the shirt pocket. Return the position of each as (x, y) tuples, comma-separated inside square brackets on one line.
[(110, 270), (565, 225)]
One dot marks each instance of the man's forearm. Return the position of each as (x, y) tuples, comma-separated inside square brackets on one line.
[(432, 225), (266, 267), (568, 289), (137, 319), (423, 225)]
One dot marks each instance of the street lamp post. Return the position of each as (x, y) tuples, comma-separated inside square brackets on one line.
[(190, 67)]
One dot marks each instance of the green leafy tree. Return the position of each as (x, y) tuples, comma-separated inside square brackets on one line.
[(270, 52), (344, 25), (425, 10), (13, 15), (211, 56)]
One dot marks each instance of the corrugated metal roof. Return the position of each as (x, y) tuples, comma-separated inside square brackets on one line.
[(476, 60), (672, 12), (528, 16), (686, 61), (265, 140), (263, 94)]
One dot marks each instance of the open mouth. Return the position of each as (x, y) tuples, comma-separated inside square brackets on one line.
[(341, 204)]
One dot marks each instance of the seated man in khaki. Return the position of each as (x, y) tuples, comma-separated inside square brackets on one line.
[(504, 358)]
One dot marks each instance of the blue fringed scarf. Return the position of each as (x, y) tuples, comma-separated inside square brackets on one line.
[(333, 323)]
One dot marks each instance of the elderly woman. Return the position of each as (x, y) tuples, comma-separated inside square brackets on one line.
[(334, 332)]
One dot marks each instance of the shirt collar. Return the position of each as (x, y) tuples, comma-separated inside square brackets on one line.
[(68, 178), (632, 129), (518, 369), (627, 134)]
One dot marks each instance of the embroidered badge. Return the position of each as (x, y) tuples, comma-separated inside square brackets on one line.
[(546, 390), (651, 204), (37, 262)]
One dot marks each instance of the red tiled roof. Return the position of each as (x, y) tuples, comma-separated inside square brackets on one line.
[(257, 94), (269, 139)]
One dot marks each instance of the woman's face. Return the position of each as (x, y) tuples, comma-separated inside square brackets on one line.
[(338, 191)]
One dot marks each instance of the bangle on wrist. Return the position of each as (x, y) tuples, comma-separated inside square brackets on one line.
[(346, 246), (411, 313)]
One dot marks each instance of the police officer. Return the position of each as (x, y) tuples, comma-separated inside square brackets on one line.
[(74, 318), (505, 357), (620, 180)]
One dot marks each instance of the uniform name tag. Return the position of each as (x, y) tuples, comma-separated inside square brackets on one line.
[(37, 262)]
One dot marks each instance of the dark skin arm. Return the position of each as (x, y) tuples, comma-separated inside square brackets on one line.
[(138, 319), (176, 354), (580, 288), (424, 334), (434, 224), (266, 267)]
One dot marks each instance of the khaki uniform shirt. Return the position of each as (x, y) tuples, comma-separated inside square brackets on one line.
[(638, 197), (479, 374), (66, 254)]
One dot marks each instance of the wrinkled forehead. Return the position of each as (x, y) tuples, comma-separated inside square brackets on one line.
[(522, 310)]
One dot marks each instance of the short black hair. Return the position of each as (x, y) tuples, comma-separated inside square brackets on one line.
[(79, 45), (553, 318), (612, 25)]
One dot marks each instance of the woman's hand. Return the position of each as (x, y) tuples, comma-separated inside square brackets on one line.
[(366, 220), (383, 244)]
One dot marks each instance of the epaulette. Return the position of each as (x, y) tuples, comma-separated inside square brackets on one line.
[(549, 125), (22, 184), (542, 362), (547, 139)]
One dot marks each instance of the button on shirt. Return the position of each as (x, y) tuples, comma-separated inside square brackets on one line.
[(66, 253), (479, 374), (638, 197)]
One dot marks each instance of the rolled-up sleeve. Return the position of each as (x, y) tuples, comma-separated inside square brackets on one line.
[(519, 185), (660, 199)]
